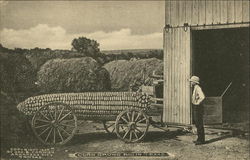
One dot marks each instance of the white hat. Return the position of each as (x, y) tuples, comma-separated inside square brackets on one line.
[(195, 79)]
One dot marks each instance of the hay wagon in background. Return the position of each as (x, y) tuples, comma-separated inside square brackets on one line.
[(54, 117)]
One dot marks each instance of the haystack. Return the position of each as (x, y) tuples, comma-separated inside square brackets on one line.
[(73, 75), (124, 73)]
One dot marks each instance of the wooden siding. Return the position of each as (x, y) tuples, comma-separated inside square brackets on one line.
[(223, 26), (176, 74), (206, 12)]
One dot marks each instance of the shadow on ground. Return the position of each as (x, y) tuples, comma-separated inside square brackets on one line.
[(218, 139), (91, 137), (231, 133), (156, 136), (152, 136)]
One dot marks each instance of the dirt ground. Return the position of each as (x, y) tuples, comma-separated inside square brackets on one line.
[(177, 144)]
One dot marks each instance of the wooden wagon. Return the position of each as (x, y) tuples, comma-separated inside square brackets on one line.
[(54, 116)]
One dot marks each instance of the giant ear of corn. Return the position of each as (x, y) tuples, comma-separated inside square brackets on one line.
[(88, 103)]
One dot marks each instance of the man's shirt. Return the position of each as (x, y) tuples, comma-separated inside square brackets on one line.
[(198, 95)]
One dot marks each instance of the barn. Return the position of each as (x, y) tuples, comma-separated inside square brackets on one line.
[(209, 39)]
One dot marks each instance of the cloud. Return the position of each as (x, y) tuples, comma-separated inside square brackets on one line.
[(44, 36), (3, 3)]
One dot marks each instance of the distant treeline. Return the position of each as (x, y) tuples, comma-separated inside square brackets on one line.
[(38, 56), (129, 54)]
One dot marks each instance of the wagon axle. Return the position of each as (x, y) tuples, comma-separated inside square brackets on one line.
[(54, 123), (131, 125)]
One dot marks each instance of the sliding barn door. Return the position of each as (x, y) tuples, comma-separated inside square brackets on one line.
[(177, 64)]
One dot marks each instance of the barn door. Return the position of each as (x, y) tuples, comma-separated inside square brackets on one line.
[(177, 64)]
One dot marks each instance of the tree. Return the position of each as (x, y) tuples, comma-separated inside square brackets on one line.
[(20, 50), (3, 49), (86, 46), (130, 55), (1, 46), (17, 76)]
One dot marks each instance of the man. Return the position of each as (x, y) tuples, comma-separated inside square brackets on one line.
[(197, 99)]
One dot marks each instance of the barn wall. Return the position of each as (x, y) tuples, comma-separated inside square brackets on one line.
[(200, 12), (176, 74)]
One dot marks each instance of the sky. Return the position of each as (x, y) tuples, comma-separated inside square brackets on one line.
[(54, 24)]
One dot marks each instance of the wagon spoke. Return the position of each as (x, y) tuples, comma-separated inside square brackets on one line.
[(133, 114), (126, 134), (130, 136), (123, 129), (48, 134), (124, 119), (51, 115), (138, 130), (142, 120), (60, 135), (54, 135), (44, 115), (128, 116), (141, 129), (64, 131), (138, 115), (123, 125), (44, 131), (55, 112), (42, 126), (42, 120), (60, 113), (65, 116), (135, 134)]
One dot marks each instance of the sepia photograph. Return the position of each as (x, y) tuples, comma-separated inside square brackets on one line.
[(124, 79)]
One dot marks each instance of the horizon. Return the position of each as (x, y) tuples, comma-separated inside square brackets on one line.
[(138, 49)]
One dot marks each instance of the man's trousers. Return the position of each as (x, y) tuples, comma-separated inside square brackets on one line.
[(198, 112)]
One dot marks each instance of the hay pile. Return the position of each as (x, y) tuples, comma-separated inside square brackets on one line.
[(73, 75), (124, 73)]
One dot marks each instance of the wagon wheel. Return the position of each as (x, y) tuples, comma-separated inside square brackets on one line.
[(109, 126), (54, 124), (131, 125)]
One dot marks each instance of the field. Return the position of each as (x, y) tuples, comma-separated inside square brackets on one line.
[(135, 51), (232, 143), (174, 142)]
